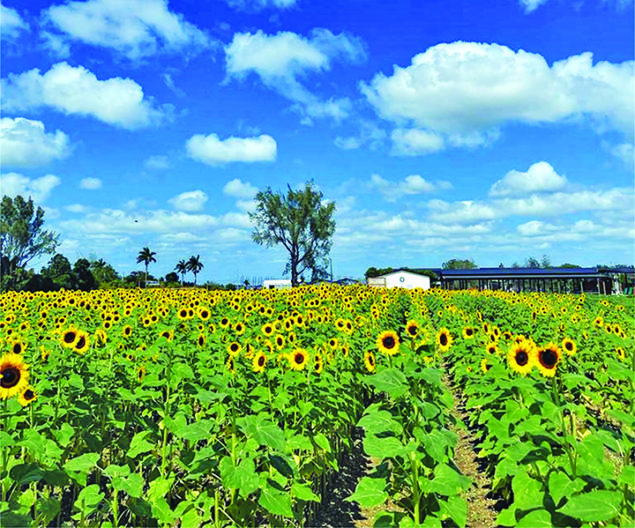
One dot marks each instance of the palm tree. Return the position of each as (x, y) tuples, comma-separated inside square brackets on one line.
[(181, 268), (146, 256), (195, 265)]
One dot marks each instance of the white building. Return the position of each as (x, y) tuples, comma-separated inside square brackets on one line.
[(278, 284), (400, 279)]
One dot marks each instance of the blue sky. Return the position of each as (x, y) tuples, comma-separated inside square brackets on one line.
[(442, 129)]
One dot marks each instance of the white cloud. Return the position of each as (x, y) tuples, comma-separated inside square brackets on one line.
[(24, 143), (282, 59), (77, 208), (157, 162), (191, 201), (531, 5), (624, 151), (213, 150), (413, 142), (13, 184), (134, 28), (11, 24), (76, 90), (239, 189), (534, 228), (473, 88), (412, 184), (540, 177), (90, 184)]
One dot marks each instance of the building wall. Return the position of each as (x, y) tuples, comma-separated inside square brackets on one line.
[(401, 279)]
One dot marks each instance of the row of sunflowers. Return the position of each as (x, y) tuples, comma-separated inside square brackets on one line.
[(150, 408)]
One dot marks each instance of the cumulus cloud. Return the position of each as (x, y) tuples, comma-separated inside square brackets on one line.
[(239, 189), (134, 28), (531, 5), (412, 184), (213, 150), (90, 184), (283, 59), (13, 184), (540, 177), (413, 142), (25, 143), (11, 24), (463, 90), (191, 201), (75, 90)]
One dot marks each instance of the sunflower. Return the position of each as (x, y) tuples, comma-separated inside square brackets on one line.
[(14, 375), (298, 359), (27, 396), (388, 342), (68, 338), (569, 346), (547, 358), (259, 362), (468, 332), (598, 322), (224, 322), (412, 328), (141, 372), (279, 341), (491, 348), (82, 343), (369, 361), (126, 331), (200, 340), (318, 364), (204, 314), (444, 339), (267, 329), (520, 357), (182, 314), (621, 354), (17, 347), (234, 348), (231, 365), (239, 328)]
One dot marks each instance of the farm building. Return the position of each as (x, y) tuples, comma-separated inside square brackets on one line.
[(278, 284), (400, 279)]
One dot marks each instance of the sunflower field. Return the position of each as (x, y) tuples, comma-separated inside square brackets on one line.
[(193, 408)]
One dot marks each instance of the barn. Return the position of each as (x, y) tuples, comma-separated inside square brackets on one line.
[(400, 279)]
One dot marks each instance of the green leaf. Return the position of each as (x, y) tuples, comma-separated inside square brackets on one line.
[(391, 381), (275, 502), (79, 467), (536, 519), (89, 499), (628, 476), (528, 492), (506, 517), (560, 486), (456, 508), (388, 447), (48, 508), (64, 434), (132, 485), (304, 492), (264, 431), (25, 473), (199, 430), (322, 442), (597, 505), (369, 492), (380, 422), (447, 481), (139, 444), (242, 477)]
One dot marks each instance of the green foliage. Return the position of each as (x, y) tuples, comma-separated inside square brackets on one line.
[(302, 222), (459, 264)]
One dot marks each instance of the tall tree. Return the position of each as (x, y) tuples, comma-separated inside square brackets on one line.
[(103, 272), (459, 264), (195, 265), (59, 271), (22, 236), (83, 277), (302, 222), (146, 256), (181, 269)]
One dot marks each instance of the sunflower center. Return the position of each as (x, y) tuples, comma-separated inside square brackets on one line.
[(389, 342), (81, 342), (234, 347), (469, 332), (548, 358), (371, 360), (17, 348), (522, 358), (443, 339), (568, 346), (10, 377), (299, 359), (412, 330), (69, 337), (29, 394), (261, 361)]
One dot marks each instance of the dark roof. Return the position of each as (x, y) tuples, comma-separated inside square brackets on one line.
[(520, 273)]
